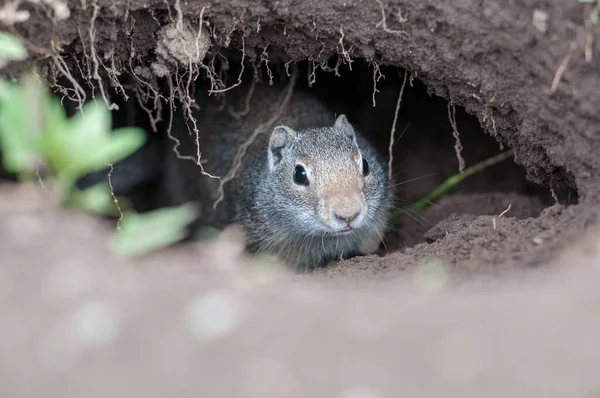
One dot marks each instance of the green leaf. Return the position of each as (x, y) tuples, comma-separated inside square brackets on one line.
[(96, 199), (86, 144), (141, 233), (18, 142), (11, 49), (112, 148), (65, 146)]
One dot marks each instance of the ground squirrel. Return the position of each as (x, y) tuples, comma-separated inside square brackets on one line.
[(309, 190)]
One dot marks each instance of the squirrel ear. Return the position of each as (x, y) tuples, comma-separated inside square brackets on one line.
[(280, 138), (344, 125)]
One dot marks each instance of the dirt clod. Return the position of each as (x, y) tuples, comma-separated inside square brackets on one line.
[(180, 44)]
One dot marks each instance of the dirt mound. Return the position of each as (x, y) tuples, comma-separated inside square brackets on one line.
[(474, 78)]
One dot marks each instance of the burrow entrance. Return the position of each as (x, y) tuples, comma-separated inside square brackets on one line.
[(497, 81), (433, 140)]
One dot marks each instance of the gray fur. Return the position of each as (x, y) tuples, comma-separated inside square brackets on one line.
[(278, 215)]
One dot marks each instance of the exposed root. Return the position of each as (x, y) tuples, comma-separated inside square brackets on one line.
[(179, 22), (113, 75), (233, 28), (86, 76), (95, 60), (192, 59), (411, 78), (187, 105), (82, 73), (197, 161), (458, 146), (488, 114), (561, 69), (246, 110), (500, 215), (264, 57), (62, 67), (554, 196), (383, 22), (312, 76), (344, 53), (180, 45), (222, 90), (287, 67), (393, 130), (150, 93), (284, 99), (505, 211), (315, 63), (40, 179), (158, 107), (112, 193), (377, 75), (199, 35)]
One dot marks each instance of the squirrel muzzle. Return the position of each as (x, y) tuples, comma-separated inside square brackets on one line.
[(346, 211)]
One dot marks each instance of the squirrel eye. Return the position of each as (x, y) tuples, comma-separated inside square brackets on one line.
[(365, 165), (300, 176)]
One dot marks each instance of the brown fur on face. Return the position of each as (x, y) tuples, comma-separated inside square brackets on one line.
[(335, 188)]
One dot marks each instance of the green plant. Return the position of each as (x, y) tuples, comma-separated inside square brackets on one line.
[(451, 182), (37, 137), (141, 233)]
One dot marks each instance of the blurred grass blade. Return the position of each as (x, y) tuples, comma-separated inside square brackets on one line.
[(453, 181), (141, 233)]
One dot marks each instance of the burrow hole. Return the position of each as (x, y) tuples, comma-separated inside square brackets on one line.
[(424, 152)]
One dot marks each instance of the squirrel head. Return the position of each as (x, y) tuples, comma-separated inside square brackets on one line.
[(322, 181)]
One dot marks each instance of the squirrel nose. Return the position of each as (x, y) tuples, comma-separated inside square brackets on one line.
[(346, 208), (346, 215), (346, 218)]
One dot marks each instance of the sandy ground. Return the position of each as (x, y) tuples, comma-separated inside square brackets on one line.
[(206, 321)]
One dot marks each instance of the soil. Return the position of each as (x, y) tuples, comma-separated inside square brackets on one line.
[(525, 229), (80, 321)]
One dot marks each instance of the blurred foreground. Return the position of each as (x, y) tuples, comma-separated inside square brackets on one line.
[(204, 322)]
